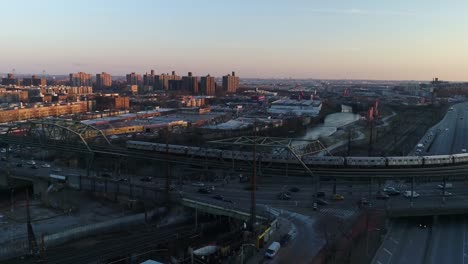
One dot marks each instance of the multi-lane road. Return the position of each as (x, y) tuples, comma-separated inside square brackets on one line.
[(441, 239)]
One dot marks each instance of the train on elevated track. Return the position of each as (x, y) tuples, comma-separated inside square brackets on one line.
[(310, 160)]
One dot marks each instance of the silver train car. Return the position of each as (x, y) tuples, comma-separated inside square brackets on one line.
[(319, 161)]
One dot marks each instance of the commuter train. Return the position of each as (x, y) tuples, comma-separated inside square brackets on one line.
[(319, 161)]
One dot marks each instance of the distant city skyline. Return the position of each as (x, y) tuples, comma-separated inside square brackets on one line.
[(301, 39)]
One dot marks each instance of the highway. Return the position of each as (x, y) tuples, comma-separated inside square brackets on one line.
[(451, 132), (444, 239)]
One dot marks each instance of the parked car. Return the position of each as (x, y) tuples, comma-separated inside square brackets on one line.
[(34, 167), (45, 165), (272, 250), (19, 165), (31, 162)]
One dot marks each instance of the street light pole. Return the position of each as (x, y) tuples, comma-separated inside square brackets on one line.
[(254, 179)]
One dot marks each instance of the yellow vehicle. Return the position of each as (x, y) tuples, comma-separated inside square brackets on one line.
[(338, 197)]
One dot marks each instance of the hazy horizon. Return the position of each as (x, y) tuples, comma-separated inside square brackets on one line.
[(302, 39)]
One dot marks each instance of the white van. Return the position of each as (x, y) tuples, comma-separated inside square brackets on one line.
[(272, 250)]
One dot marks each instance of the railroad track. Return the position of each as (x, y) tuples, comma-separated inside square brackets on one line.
[(120, 245)]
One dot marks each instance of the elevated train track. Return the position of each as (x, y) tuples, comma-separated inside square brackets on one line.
[(276, 157), (266, 168)]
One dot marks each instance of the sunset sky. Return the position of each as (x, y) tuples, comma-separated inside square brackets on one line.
[(346, 39)]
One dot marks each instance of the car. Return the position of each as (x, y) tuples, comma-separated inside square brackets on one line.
[(284, 240), (31, 162), (447, 186), (204, 190), (122, 180), (105, 175), (320, 194), (34, 167), (228, 201), (408, 194), (56, 170), (337, 197), (243, 178), (463, 150), (211, 187), (19, 165), (447, 194), (382, 196), (315, 206), (218, 197), (146, 179), (294, 189), (284, 196), (364, 201), (391, 191), (198, 184), (321, 202), (45, 165), (423, 225)]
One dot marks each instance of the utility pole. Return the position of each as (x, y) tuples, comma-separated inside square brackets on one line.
[(370, 137), (253, 179), (349, 141), (31, 236), (168, 168)]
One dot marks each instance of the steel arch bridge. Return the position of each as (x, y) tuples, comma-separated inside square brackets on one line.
[(47, 132)]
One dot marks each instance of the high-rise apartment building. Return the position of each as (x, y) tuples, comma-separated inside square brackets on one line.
[(161, 82), (190, 83), (148, 79), (103, 80), (133, 79), (80, 79), (10, 80), (230, 83), (34, 81), (207, 85)]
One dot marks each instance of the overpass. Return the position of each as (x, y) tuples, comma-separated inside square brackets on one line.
[(228, 210), (429, 207)]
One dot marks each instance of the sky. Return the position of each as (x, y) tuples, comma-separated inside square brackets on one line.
[(332, 39)]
